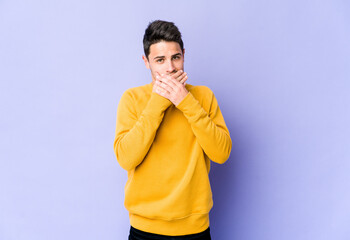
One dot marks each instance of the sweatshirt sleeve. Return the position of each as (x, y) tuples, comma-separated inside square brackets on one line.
[(209, 128), (134, 135)]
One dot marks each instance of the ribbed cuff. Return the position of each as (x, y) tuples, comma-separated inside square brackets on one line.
[(157, 104), (190, 106)]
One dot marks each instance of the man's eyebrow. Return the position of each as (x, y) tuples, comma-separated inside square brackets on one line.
[(159, 57), (177, 54)]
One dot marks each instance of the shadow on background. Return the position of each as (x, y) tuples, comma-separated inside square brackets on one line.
[(227, 186)]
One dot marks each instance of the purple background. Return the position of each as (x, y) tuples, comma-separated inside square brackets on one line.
[(279, 69)]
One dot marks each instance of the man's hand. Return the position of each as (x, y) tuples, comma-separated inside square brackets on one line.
[(172, 86)]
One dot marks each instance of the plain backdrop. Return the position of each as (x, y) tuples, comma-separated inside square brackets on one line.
[(279, 69)]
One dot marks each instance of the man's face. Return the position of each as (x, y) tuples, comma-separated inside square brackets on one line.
[(164, 58)]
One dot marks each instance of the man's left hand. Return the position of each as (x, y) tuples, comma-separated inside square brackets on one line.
[(170, 88)]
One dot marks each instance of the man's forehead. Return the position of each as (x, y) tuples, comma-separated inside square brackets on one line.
[(165, 48)]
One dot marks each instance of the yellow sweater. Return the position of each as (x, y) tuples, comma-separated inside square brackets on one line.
[(166, 150)]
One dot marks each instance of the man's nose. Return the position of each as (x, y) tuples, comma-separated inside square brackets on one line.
[(170, 67)]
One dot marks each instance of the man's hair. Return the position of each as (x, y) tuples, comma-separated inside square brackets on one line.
[(158, 31)]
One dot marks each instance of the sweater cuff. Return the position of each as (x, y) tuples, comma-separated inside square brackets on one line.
[(157, 104), (189, 105)]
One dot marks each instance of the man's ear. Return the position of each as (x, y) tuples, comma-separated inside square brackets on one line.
[(146, 61)]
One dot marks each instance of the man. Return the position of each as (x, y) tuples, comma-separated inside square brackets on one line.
[(166, 133)]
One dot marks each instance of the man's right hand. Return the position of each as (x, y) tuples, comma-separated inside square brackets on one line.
[(179, 76)]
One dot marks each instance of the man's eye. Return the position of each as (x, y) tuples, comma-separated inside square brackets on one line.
[(159, 60), (176, 57)]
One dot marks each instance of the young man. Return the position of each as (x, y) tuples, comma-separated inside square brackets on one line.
[(167, 132)]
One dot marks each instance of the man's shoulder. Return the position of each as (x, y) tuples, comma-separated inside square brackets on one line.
[(199, 89), (138, 91)]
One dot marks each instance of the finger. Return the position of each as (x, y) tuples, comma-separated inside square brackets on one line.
[(160, 78), (161, 91), (166, 84), (164, 79), (177, 74), (184, 79), (181, 76), (171, 82), (157, 75)]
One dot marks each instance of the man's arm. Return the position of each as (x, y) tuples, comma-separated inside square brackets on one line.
[(209, 128), (134, 136)]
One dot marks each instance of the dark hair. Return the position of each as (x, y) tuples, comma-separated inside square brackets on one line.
[(158, 31)]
